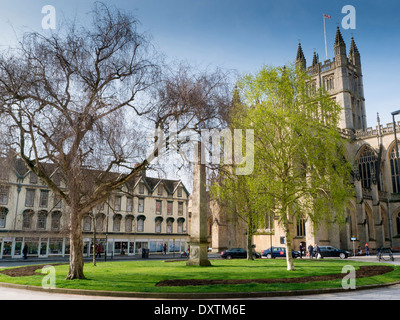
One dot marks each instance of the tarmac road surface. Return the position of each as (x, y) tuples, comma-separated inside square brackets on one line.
[(386, 293)]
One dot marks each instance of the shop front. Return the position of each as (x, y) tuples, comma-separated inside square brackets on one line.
[(44, 247), (120, 247), (6, 247)]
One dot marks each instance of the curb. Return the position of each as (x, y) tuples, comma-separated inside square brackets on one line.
[(193, 296)]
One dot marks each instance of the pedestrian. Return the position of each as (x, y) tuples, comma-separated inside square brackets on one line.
[(318, 252), (366, 249), (98, 251), (25, 252), (301, 250), (310, 251), (165, 248)]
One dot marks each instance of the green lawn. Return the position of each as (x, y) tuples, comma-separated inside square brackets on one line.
[(141, 276)]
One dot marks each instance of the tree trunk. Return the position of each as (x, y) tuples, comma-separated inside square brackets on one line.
[(288, 236), (94, 241), (249, 245), (289, 258), (76, 249), (250, 237)]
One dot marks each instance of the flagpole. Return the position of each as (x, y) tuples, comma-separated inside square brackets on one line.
[(326, 49)]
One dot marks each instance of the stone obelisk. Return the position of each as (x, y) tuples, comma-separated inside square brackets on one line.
[(198, 238)]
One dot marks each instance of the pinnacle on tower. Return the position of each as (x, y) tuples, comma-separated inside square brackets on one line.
[(339, 39), (300, 59), (340, 49), (315, 60), (300, 54), (353, 47), (354, 54)]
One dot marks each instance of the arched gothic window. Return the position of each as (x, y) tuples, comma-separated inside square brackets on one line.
[(367, 166), (42, 219), (117, 222), (394, 170), (87, 223), (56, 220), (3, 215), (128, 223), (27, 219), (100, 221), (301, 227), (180, 224)]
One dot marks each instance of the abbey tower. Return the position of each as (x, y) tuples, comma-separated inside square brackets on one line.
[(342, 78)]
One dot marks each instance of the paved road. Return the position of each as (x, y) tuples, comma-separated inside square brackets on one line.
[(386, 293)]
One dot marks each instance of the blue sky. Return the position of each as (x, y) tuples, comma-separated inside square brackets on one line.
[(245, 35)]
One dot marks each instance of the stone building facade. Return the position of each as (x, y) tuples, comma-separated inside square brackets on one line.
[(373, 216), (145, 213)]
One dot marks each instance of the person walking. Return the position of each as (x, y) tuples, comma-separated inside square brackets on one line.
[(165, 248), (310, 251), (318, 252), (366, 249), (301, 250), (98, 251), (25, 251)]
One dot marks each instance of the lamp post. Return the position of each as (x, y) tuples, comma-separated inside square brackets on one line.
[(394, 113)]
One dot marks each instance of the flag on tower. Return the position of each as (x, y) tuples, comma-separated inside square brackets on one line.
[(326, 49)]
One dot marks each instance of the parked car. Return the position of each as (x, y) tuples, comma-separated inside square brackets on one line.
[(237, 253), (278, 252), (329, 251)]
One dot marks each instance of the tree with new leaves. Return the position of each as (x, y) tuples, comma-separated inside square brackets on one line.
[(300, 169), (76, 102)]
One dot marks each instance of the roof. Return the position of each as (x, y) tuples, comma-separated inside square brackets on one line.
[(151, 183)]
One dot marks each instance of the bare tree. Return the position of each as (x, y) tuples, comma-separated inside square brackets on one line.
[(78, 99)]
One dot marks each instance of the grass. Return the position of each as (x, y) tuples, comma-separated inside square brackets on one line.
[(142, 276)]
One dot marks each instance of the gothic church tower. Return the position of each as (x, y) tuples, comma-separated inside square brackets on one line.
[(342, 78)]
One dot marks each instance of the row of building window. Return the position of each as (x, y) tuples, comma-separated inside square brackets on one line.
[(44, 202), (328, 84), (117, 219), (42, 219), (41, 222)]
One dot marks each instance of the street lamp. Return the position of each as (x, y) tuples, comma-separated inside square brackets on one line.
[(394, 113)]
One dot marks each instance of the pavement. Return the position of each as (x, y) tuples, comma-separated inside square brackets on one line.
[(16, 293)]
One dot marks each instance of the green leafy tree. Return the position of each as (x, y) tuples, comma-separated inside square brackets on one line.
[(300, 168)]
